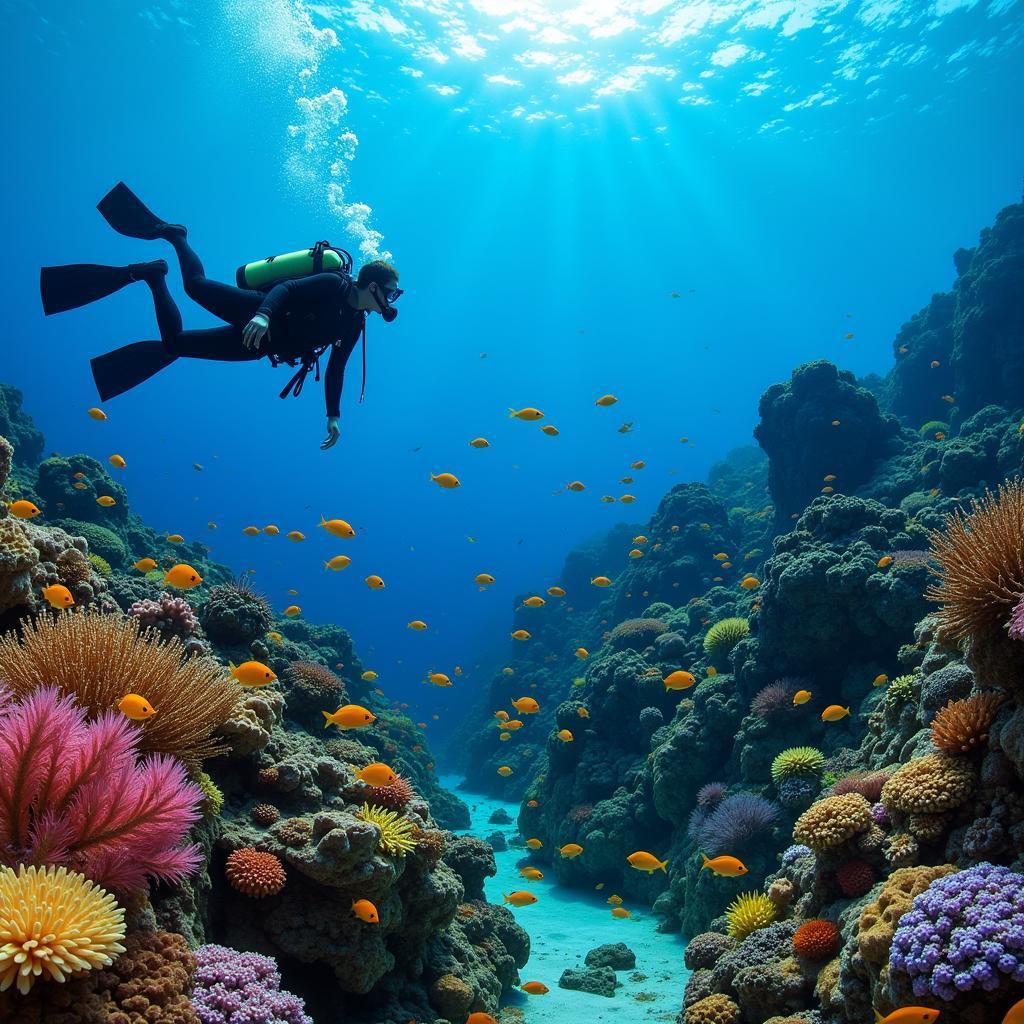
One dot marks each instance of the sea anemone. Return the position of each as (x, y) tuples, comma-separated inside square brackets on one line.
[(816, 939), (723, 636), (735, 822), (797, 761), (54, 923), (254, 872), (774, 700), (749, 912), (711, 794), (868, 784), (963, 724), (396, 832)]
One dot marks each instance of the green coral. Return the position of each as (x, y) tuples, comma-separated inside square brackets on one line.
[(101, 541), (797, 761), (101, 565), (900, 690), (578, 682), (723, 636), (932, 427), (213, 798), (829, 779)]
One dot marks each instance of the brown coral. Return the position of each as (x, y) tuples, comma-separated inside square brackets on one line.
[(316, 681), (254, 872), (929, 785), (928, 827), (17, 558), (901, 850), (294, 831), (833, 821), (430, 843), (963, 724), (264, 814), (716, 1009), (878, 920), (451, 997), (637, 632), (73, 567), (99, 658), (868, 784)]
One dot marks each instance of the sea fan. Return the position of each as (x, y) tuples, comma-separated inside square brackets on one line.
[(735, 822), (74, 792)]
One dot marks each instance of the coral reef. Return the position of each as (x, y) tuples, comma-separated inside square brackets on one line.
[(231, 987)]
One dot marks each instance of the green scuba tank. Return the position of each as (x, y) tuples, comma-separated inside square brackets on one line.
[(264, 274)]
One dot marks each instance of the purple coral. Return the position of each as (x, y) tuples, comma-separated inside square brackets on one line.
[(242, 988), (795, 852), (774, 700), (910, 556), (169, 616), (711, 794), (735, 822), (1016, 623), (964, 932)]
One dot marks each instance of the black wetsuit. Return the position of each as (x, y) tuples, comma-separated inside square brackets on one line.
[(305, 314)]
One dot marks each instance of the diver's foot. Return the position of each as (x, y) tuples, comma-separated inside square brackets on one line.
[(170, 232), (147, 272)]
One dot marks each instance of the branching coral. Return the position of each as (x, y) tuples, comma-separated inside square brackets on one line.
[(797, 761), (75, 792), (816, 939), (749, 912), (929, 785), (963, 724), (254, 872), (735, 822), (832, 822), (100, 658), (723, 636), (80, 925), (396, 832)]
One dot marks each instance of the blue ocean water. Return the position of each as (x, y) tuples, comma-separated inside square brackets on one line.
[(546, 176)]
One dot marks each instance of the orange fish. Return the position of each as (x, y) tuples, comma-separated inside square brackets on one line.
[(534, 844), (570, 851), (884, 562), (535, 988), (477, 1018), (834, 713), (801, 697), (528, 413), (726, 867), (644, 861), (1015, 1014), (679, 680), (908, 1015), (376, 774), (365, 911), (519, 898), (621, 913), (23, 509), (532, 803), (526, 706), (564, 735)]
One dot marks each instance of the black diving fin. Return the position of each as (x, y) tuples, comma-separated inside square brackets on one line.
[(68, 287), (126, 213), (119, 371)]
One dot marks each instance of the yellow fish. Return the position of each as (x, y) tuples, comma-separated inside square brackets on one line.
[(555, 592), (337, 563), (376, 774), (369, 676), (726, 867), (365, 911), (750, 583), (570, 851), (520, 898), (720, 557), (534, 602), (337, 528), (526, 706), (105, 500), (640, 539), (271, 530), (636, 553), (483, 579), (504, 736), (626, 480), (582, 712), (292, 611), (606, 400), (908, 1015), (712, 671), (576, 486), (23, 509), (182, 577), (639, 464), (275, 636), (374, 582), (505, 772), (117, 461), (534, 844), (679, 680), (438, 679), (880, 680), (79, 486), (884, 562), (502, 716), (417, 624), (58, 596), (251, 531), (564, 735), (508, 670), (175, 538), (137, 708), (350, 716), (582, 653), (608, 499), (535, 988), (601, 581), (801, 697), (615, 901), (644, 861), (295, 535), (529, 414), (531, 874), (620, 912), (252, 673), (479, 442), (550, 430), (827, 490), (829, 478), (96, 414), (627, 499), (834, 713), (446, 481), (145, 565), (520, 634), (513, 724)]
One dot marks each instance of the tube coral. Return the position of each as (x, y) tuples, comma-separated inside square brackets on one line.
[(81, 925), (75, 792), (749, 912)]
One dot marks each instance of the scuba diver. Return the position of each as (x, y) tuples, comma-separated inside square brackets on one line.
[(290, 308)]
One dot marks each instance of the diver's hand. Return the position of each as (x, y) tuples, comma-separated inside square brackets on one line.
[(333, 433), (255, 330)]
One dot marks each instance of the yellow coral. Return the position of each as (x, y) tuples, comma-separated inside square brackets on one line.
[(749, 912), (716, 1009), (878, 920), (54, 923), (833, 821), (397, 836), (929, 785)]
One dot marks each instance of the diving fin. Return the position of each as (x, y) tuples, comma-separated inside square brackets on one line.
[(126, 213), (78, 284), (119, 371)]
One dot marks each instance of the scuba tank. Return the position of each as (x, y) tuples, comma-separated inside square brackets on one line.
[(263, 274)]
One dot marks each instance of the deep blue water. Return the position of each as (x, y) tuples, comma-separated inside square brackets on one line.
[(545, 175)]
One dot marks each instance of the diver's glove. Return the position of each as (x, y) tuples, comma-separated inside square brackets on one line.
[(254, 331), (333, 433)]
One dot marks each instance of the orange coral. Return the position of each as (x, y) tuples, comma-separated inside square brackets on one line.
[(393, 797), (962, 724), (816, 940), (254, 872)]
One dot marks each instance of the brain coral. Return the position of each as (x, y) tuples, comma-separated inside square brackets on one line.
[(254, 872), (816, 940), (833, 821), (716, 1009), (637, 633), (963, 724), (878, 920), (929, 785), (749, 912), (723, 636), (964, 932), (855, 878), (797, 761), (704, 950)]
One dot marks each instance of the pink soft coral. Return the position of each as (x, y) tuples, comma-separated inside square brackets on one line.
[(75, 793)]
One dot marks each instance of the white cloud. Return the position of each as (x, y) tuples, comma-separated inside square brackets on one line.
[(411, 72), (578, 77), (537, 58), (631, 78), (444, 90), (467, 47), (728, 53), (551, 36), (502, 80)]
